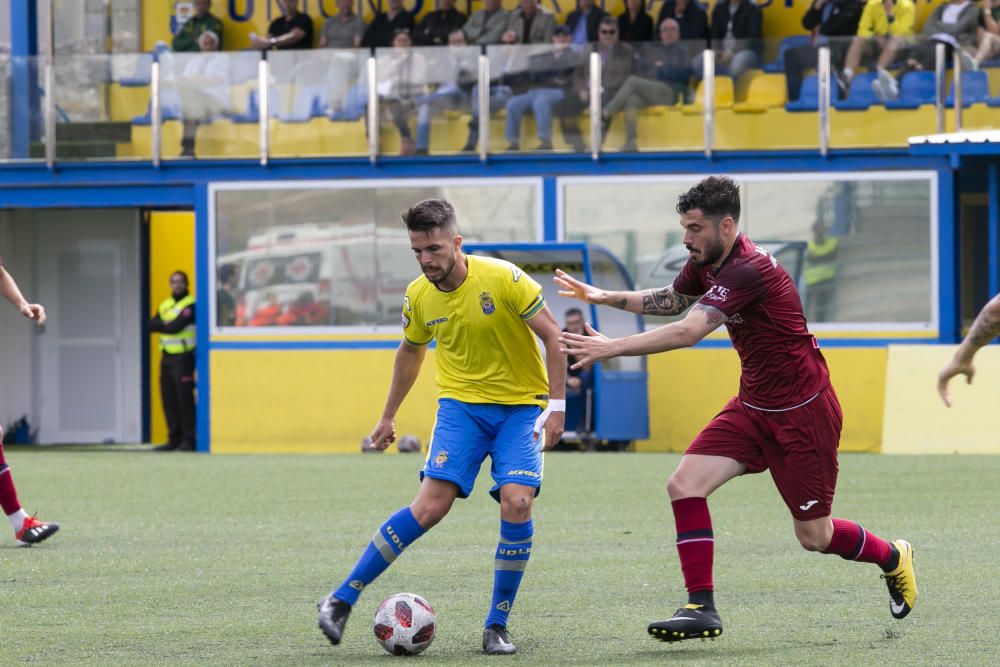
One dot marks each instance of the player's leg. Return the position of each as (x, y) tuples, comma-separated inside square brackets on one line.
[(27, 529), (432, 503), (455, 453), (806, 476), (185, 404), (517, 475), (725, 449), (169, 379)]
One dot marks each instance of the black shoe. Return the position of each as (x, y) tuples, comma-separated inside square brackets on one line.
[(497, 642), (168, 447), (689, 622), (421, 151), (333, 615), (544, 146), (513, 147), (630, 147), (842, 83), (605, 125), (34, 531)]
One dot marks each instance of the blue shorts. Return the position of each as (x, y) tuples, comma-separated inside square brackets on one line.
[(466, 433)]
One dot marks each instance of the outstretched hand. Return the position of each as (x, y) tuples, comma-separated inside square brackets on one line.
[(953, 368), (575, 289), (588, 349)]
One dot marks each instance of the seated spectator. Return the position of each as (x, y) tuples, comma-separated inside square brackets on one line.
[(885, 27), (664, 73), (737, 37), (953, 24), (634, 24), (436, 27), (691, 17), (384, 27), (830, 18), (551, 81), (530, 24), (203, 88), (201, 21), (617, 59), (402, 78), (580, 381), (488, 24), (989, 33), (291, 30), (507, 77), (584, 22), (463, 73), (343, 31)]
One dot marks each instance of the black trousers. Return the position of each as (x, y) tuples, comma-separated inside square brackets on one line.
[(177, 391), (802, 58)]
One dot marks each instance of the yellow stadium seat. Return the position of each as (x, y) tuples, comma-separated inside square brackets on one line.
[(724, 95), (765, 91)]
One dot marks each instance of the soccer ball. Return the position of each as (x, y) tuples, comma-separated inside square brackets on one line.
[(405, 624), (408, 443)]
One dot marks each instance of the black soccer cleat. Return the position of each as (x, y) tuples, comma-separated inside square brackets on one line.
[(496, 641), (34, 531), (693, 621), (333, 614)]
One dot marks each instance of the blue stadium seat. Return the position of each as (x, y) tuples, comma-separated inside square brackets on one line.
[(809, 96), (993, 101), (170, 108), (142, 74), (787, 43), (311, 101), (861, 96), (915, 90), (975, 89)]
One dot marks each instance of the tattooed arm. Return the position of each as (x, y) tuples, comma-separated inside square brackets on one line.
[(984, 329), (699, 322), (663, 301)]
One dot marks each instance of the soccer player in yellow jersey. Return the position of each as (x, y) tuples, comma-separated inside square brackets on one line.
[(493, 386)]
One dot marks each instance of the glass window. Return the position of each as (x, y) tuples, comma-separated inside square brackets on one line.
[(320, 255), (836, 238)]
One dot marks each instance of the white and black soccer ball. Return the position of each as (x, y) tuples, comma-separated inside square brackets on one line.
[(405, 624)]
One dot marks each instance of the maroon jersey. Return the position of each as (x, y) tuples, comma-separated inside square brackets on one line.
[(781, 362)]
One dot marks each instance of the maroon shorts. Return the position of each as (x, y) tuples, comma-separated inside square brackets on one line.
[(798, 446)]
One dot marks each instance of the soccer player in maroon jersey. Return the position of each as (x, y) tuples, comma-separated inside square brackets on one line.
[(27, 529), (785, 419)]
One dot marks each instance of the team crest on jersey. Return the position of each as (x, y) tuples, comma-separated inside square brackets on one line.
[(440, 460), (486, 301)]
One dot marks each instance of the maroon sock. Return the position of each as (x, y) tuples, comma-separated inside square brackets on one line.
[(695, 544), (8, 495), (852, 542)]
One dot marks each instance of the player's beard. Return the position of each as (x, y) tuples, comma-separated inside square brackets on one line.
[(442, 272), (711, 252)]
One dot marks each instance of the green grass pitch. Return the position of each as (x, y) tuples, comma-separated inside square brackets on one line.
[(169, 559)]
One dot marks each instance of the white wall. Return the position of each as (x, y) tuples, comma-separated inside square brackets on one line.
[(19, 341)]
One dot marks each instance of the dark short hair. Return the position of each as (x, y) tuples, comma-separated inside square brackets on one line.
[(180, 273), (226, 273), (562, 30), (715, 196), (430, 214), (573, 311), (609, 20)]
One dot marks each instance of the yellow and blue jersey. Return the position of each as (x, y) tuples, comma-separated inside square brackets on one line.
[(486, 353)]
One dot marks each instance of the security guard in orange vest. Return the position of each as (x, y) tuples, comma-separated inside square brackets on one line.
[(175, 324)]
